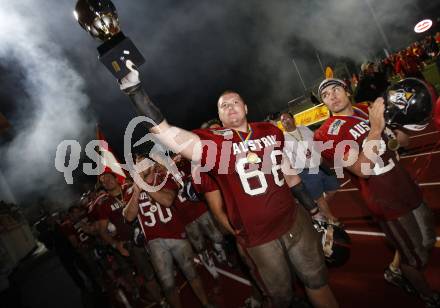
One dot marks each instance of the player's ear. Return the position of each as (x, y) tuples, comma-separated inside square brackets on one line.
[(245, 109)]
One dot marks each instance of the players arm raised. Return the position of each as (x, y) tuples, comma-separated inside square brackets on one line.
[(377, 124), (164, 196), (177, 139)]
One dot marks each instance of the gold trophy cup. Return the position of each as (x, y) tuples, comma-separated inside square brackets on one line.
[(100, 19)]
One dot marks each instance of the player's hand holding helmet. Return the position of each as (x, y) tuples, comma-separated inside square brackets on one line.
[(409, 104), (335, 242)]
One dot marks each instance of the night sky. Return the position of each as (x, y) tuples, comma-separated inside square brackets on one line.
[(53, 87)]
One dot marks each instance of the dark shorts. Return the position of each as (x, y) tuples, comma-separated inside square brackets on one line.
[(413, 235), (298, 251), (318, 184)]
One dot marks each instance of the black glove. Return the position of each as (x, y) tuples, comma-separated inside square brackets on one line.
[(302, 195), (190, 193)]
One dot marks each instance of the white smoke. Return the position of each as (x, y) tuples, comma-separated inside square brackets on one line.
[(51, 107), (356, 30), (268, 34)]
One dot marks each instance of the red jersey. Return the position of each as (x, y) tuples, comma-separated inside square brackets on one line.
[(158, 221), (188, 210), (389, 192), (66, 227), (207, 184), (92, 208), (110, 208), (247, 169), (69, 228)]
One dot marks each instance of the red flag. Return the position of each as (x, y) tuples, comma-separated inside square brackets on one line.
[(436, 114), (108, 159)]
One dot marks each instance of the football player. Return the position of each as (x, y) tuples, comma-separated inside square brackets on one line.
[(76, 228), (321, 185), (165, 235), (198, 220), (391, 195), (246, 161), (115, 231)]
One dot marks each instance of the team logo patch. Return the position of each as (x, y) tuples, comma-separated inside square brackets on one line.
[(400, 98), (335, 127), (222, 132)]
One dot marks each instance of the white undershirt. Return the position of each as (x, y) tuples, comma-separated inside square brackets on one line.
[(297, 143)]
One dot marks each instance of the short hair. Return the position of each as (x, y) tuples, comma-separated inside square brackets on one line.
[(211, 122), (106, 172), (288, 113), (103, 174), (229, 92)]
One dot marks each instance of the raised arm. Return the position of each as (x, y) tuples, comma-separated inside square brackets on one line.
[(176, 139), (377, 124), (164, 196), (131, 209)]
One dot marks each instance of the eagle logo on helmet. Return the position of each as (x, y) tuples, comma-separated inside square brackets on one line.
[(401, 98), (409, 104)]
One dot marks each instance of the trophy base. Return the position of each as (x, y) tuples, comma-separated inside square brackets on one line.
[(114, 52)]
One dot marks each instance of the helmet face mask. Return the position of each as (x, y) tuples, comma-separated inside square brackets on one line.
[(335, 242), (408, 104)]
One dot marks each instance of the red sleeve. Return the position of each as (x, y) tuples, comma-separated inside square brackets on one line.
[(333, 131), (212, 140), (104, 208), (127, 192), (207, 184), (93, 210), (170, 183)]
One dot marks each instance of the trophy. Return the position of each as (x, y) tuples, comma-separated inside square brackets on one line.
[(100, 19)]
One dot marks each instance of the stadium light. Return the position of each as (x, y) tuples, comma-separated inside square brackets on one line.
[(423, 26)]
